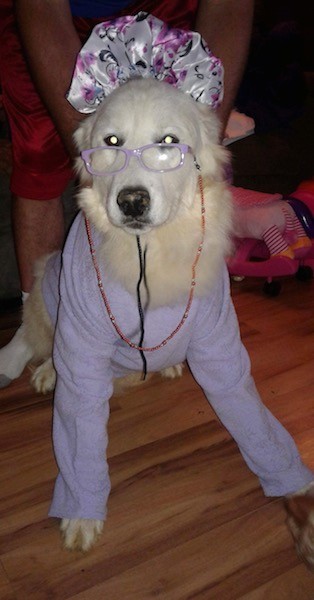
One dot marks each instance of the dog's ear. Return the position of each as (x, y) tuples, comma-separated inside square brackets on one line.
[(82, 142), (213, 157)]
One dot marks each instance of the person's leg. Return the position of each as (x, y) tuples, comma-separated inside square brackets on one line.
[(38, 228), (276, 243), (41, 170), (41, 167)]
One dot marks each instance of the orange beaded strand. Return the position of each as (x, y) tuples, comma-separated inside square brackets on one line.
[(191, 294)]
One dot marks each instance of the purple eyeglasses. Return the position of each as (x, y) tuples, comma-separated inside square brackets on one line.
[(159, 158)]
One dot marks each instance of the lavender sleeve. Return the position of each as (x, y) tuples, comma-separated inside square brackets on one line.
[(220, 364), (82, 356)]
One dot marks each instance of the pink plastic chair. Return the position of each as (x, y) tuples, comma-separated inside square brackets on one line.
[(252, 257)]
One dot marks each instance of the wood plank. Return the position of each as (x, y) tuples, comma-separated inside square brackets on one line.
[(187, 519), (6, 591)]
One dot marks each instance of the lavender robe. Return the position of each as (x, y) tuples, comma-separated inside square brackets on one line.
[(88, 354)]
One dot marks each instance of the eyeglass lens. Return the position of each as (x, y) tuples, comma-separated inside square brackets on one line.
[(107, 160), (161, 158), (155, 157)]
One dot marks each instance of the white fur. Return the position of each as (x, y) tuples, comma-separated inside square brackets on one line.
[(143, 112), (80, 534), (44, 377), (300, 509)]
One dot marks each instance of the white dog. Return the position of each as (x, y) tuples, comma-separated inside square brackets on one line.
[(142, 284)]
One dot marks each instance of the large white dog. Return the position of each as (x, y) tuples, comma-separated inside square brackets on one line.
[(142, 284)]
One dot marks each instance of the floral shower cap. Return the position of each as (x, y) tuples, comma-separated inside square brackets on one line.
[(142, 45)]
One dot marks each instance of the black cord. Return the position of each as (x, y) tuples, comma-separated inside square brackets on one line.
[(142, 261)]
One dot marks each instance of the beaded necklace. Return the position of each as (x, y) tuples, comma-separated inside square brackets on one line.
[(192, 286)]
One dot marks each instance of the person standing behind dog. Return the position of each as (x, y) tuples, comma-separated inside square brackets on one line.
[(39, 42)]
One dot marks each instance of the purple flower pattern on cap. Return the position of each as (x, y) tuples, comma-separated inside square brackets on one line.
[(144, 46)]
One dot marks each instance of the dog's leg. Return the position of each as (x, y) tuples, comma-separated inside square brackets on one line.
[(300, 509), (80, 534), (33, 340), (39, 334), (123, 384), (14, 357)]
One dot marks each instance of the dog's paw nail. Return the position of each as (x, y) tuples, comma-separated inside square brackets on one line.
[(80, 534)]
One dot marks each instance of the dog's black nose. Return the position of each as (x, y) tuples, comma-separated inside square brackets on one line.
[(133, 202)]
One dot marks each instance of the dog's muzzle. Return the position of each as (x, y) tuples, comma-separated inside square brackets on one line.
[(134, 203)]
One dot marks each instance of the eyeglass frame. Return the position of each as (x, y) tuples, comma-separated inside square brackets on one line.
[(137, 152)]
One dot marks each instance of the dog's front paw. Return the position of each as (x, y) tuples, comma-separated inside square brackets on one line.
[(300, 509), (172, 372), (44, 377), (80, 534)]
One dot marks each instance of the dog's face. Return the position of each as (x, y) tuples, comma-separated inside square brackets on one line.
[(139, 113)]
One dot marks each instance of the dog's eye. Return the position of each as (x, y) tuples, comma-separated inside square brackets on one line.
[(169, 139), (112, 140)]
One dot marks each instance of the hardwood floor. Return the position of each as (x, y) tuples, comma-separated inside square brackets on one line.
[(187, 519)]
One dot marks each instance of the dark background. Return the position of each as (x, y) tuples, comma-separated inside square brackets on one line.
[(277, 91)]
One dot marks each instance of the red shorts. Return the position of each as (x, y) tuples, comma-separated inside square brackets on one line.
[(41, 166)]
